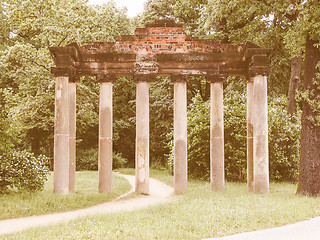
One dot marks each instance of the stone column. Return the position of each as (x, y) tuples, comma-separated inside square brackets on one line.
[(260, 135), (105, 134), (180, 133), (72, 136), (142, 134), (216, 133), (61, 136), (250, 105)]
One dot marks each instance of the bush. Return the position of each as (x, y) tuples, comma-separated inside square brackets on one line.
[(88, 160), (198, 138), (23, 171), (284, 139), (118, 161)]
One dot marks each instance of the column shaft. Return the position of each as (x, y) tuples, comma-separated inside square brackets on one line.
[(142, 138), (61, 136), (217, 138), (105, 138), (72, 136), (180, 137), (260, 135), (250, 105)]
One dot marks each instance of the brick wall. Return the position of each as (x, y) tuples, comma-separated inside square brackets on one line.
[(161, 39)]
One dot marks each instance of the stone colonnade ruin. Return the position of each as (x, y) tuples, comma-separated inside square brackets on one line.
[(160, 49)]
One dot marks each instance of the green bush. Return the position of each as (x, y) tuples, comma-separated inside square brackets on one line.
[(23, 171), (198, 138), (118, 161), (88, 160), (284, 139)]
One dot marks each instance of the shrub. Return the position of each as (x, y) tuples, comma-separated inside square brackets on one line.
[(198, 138), (118, 161), (284, 139), (88, 160), (23, 171)]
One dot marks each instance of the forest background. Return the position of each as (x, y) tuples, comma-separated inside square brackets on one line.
[(289, 27)]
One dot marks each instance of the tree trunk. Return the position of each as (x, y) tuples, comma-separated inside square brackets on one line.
[(294, 83), (309, 169), (35, 146)]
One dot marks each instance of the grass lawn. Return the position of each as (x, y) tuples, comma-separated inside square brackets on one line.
[(28, 204), (194, 215)]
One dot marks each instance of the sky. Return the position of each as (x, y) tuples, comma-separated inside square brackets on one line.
[(134, 6)]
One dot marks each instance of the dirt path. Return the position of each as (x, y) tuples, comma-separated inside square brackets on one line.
[(159, 193)]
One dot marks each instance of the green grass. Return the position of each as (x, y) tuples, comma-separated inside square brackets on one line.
[(28, 204), (194, 215)]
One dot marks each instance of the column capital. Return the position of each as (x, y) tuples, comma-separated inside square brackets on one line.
[(215, 78), (69, 72), (257, 64), (142, 78), (106, 78), (184, 78), (257, 70)]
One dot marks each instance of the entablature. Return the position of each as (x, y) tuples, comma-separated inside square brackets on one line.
[(161, 48)]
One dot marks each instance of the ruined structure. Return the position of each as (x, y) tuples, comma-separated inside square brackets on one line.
[(161, 49)]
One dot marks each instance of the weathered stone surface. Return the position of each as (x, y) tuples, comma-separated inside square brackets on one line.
[(180, 137), (142, 138), (216, 137), (250, 109), (260, 136), (72, 136), (105, 138), (61, 137)]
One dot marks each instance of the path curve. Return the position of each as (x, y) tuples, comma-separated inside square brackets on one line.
[(308, 229), (159, 193)]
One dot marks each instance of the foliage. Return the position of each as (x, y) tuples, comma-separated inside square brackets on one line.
[(6, 133), (198, 138), (87, 118), (124, 120), (87, 160), (284, 137), (183, 11), (284, 141), (118, 161), (161, 119), (235, 131), (23, 171), (28, 28)]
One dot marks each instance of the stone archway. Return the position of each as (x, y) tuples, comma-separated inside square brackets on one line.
[(161, 48)]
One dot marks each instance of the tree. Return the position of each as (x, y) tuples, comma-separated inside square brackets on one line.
[(29, 27), (309, 174), (309, 178), (186, 12), (290, 23)]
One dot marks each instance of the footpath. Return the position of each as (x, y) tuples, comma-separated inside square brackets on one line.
[(305, 230), (159, 193)]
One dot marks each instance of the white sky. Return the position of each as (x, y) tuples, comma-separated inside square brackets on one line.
[(134, 6)]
